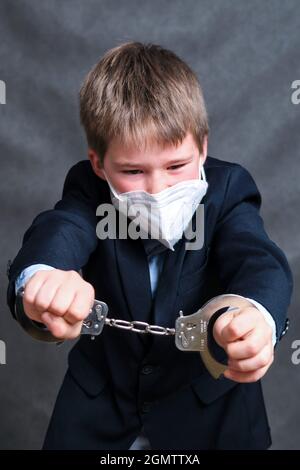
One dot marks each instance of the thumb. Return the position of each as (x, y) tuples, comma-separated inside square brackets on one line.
[(222, 322), (57, 325), (47, 318)]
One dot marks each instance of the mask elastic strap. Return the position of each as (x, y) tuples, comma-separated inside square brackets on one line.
[(202, 173), (111, 186)]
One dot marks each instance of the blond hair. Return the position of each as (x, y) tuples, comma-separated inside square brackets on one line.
[(141, 94)]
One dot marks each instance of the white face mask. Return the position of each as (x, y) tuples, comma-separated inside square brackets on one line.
[(164, 215)]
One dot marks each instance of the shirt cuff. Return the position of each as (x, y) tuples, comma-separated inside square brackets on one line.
[(268, 317), (27, 273)]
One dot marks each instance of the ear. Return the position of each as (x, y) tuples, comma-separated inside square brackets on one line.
[(203, 155), (96, 164)]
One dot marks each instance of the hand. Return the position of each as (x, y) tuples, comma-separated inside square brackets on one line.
[(59, 299), (247, 339)]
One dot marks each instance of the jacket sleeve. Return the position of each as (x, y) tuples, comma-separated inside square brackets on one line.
[(65, 236), (248, 262)]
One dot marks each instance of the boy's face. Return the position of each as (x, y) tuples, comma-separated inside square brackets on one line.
[(153, 170)]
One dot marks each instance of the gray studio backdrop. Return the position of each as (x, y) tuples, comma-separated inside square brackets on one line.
[(246, 54)]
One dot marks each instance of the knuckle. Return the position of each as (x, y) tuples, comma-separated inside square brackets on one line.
[(73, 274), (265, 359), (33, 315), (76, 314), (29, 296), (233, 329), (229, 349), (252, 348), (56, 308), (241, 367), (41, 305)]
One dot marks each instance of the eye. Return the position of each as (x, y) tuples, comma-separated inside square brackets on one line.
[(132, 172), (175, 167)]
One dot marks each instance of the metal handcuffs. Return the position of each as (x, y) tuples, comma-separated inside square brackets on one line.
[(192, 332)]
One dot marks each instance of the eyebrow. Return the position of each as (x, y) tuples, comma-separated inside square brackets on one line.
[(131, 164), (181, 160)]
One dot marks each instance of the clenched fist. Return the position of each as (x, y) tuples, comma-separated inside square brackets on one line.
[(247, 339), (59, 299)]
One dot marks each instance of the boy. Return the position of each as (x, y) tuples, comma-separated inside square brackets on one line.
[(145, 120)]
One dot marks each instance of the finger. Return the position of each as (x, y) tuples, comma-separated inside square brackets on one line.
[(31, 290), (241, 325), (263, 358), (45, 295), (246, 377), (59, 327), (249, 346), (81, 304), (62, 300)]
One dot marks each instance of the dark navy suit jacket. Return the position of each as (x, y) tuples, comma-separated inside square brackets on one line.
[(122, 381)]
